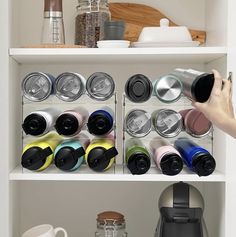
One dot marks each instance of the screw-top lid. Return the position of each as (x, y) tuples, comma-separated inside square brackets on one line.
[(67, 157), (69, 86), (52, 5), (202, 87), (139, 163), (204, 164), (171, 164), (138, 88), (34, 124), (100, 123), (110, 216), (99, 158), (67, 124), (168, 88), (35, 157), (100, 86), (168, 123)]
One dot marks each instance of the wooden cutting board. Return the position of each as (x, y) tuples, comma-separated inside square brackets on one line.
[(138, 16)]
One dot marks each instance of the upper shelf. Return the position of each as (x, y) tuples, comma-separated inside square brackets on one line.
[(129, 55)]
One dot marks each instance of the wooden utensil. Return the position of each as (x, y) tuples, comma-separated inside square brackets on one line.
[(138, 16)]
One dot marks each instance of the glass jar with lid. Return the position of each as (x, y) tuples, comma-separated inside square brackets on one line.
[(90, 20), (110, 224)]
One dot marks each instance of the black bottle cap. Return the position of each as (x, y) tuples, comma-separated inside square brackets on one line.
[(139, 163), (67, 124), (99, 124), (67, 157), (138, 88), (171, 164), (99, 158), (202, 87), (34, 124), (204, 164), (35, 157)]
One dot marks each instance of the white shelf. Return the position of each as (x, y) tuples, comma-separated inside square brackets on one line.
[(115, 174), (131, 55)]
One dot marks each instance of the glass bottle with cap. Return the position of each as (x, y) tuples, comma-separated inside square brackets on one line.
[(53, 25), (89, 24), (100, 154), (40, 122), (69, 155), (167, 122), (71, 122), (101, 121), (197, 159), (138, 88), (167, 88), (69, 86), (37, 86), (195, 123), (166, 157), (38, 155), (197, 85), (100, 86), (138, 123), (137, 157), (111, 224)]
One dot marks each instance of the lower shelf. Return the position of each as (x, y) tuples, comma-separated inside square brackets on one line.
[(117, 173)]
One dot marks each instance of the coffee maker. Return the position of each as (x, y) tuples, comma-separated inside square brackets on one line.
[(181, 209)]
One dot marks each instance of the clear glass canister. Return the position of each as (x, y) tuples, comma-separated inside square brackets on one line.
[(110, 224), (90, 20)]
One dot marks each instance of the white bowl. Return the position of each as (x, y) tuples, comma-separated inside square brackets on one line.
[(113, 44), (165, 33)]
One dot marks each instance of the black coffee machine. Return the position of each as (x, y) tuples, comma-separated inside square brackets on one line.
[(181, 212)]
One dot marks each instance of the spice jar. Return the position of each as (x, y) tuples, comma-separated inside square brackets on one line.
[(89, 25), (110, 224)]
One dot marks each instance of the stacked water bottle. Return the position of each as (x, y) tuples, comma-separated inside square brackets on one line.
[(159, 131), (74, 136)]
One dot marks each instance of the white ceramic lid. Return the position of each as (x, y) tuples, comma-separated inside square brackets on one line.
[(165, 33)]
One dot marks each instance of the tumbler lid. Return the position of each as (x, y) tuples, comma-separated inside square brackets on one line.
[(67, 157), (37, 86), (35, 157), (204, 164), (171, 164), (168, 88), (139, 163), (100, 122), (34, 124), (67, 124), (168, 123), (138, 88), (99, 158), (100, 86), (69, 86)]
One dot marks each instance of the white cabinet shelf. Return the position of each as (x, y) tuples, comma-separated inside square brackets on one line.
[(129, 55), (115, 174)]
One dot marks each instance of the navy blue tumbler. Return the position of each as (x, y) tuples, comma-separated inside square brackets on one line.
[(195, 157)]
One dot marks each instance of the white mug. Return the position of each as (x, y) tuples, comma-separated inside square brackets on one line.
[(44, 231)]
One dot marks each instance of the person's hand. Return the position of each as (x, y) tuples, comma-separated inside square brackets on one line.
[(218, 109)]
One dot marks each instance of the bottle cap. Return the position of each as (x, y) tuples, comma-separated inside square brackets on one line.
[(34, 124), (204, 164), (139, 163), (52, 5), (100, 123), (67, 157), (138, 88), (67, 124), (35, 157), (99, 158), (171, 164)]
